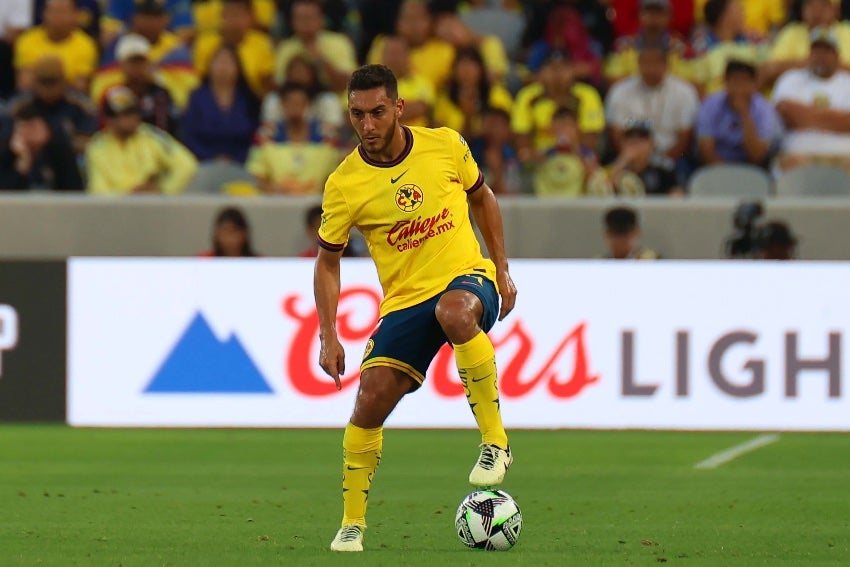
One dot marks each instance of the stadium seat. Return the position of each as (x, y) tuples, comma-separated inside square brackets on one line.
[(729, 180), (214, 177), (814, 181)]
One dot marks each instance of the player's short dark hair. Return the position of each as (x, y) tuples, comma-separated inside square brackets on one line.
[(620, 220), (312, 214), (735, 66), (713, 11), (370, 77)]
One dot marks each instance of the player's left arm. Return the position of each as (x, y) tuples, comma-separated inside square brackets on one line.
[(485, 210)]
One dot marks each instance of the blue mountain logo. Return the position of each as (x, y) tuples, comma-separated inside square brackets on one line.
[(202, 364)]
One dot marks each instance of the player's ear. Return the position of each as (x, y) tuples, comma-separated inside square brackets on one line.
[(399, 107)]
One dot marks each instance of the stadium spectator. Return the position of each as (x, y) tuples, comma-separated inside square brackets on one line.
[(137, 71), (331, 52), (15, 18), (325, 104), (354, 248), (208, 14), (468, 93), (171, 58), (451, 29), (231, 235), (291, 157), (669, 103), (654, 29), (33, 156), (495, 154), (417, 91), (121, 13), (89, 13), (505, 19), (737, 124), (626, 16), (567, 165), (723, 39), (791, 46), (814, 104), (430, 57), (595, 21), (536, 103), (68, 112), (776, 241), (377, 18), (256, 54), (223, 113), (623, 235), (131, 157), (565, 32), (638, 170), (59, 36), (762, 18)]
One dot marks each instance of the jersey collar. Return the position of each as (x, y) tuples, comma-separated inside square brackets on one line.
[(408, 145)]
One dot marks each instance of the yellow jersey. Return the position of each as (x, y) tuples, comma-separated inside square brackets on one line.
[(115, 167), (532, 113), (413, 212), (78, 52)]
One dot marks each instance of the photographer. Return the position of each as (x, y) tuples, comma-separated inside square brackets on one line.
[(772, 240)]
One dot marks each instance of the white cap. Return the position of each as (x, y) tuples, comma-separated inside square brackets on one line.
[(132, 45)]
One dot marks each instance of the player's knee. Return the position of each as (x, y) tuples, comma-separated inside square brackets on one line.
[(456, 315)]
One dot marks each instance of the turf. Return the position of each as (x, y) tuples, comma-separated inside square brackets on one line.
[(271, 497)]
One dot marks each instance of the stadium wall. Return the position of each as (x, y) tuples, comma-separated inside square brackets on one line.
[(56, 227)]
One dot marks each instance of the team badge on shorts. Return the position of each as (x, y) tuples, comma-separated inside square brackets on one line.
[(369, 346), (409, 198)]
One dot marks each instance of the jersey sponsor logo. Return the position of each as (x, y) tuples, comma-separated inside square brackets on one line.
[(409, 197), (394, 179), (408, 234)]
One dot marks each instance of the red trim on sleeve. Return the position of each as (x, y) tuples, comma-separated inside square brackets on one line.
[(477, 185), (330, 246)]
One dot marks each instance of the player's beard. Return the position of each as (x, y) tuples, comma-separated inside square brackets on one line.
[(384, 139)]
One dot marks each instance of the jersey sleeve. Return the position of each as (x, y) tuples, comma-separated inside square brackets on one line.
[(470, 176), (336, 219)]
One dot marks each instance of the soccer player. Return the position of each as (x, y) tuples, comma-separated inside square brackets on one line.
[(409, 191)]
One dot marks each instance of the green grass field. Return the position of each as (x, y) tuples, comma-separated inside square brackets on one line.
[(272, 497)]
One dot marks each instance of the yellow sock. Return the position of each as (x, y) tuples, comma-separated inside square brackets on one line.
[(476, 364), (361, 455)]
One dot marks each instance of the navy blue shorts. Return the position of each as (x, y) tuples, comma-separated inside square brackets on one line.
[(409, 339)]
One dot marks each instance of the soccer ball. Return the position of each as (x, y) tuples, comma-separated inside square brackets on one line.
[(488, 519)]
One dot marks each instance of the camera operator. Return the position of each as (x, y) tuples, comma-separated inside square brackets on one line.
[(772, 240)]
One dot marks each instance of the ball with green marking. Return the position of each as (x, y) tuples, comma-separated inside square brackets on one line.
[(489, 519)]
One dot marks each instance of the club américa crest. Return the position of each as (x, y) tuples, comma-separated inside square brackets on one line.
[(409, 197)]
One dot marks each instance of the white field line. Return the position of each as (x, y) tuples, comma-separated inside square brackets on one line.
[(732, 453)]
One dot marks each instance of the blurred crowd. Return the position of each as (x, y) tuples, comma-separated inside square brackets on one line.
[(555, 97)]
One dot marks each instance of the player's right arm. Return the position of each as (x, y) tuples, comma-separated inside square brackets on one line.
[(326, 290), (333, 236)]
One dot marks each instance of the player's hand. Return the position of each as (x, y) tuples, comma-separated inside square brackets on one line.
[(332, 359), (507, 290)]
